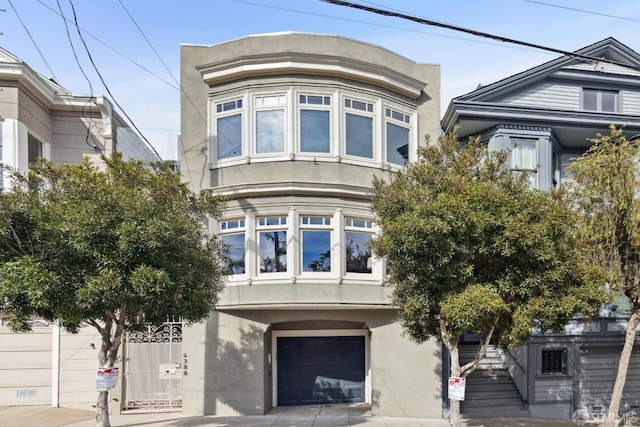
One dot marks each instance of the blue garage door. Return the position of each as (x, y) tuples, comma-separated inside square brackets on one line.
[(320, 370)]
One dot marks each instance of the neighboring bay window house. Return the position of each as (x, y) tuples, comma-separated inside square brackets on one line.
[(292, 128), (546, 116)]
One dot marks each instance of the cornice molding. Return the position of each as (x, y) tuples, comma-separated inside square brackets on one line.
[(311, 64)]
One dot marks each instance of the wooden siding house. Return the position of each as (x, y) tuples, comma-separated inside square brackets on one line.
[(547, 116)]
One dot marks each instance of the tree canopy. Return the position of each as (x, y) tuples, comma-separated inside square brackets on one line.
[(115, 246), (607, 192), (471, 247)]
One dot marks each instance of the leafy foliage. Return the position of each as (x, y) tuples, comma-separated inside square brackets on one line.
[(471, 247), (124, 244), (608, 195)]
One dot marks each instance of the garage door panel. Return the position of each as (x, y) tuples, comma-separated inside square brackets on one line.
[(320, 370)]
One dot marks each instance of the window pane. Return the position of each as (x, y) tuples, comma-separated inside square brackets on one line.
[(608, 101), (273, 251), (233, 253), (316, 250), (524, 154), (229, 137), (397, 144), (314, 131), (359, 133), (270, 131), (358, 254), (34, 148), (590, 100)]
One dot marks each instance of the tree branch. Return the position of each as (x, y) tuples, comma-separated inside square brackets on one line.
[(482, 349)]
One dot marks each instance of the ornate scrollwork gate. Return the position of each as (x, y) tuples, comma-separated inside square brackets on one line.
[(153, 368)]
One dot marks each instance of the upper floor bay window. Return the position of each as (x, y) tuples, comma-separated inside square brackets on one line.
[(315, 123), (232, 234), (1, 164), (358, 128), (272, 244), (358, 234), (229, 129), (311, 125), (599, 100), (524, 158), (270, 124), (397, 136), (315, 237)]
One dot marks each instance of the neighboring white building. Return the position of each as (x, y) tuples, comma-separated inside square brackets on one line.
[(38, 118), (292, 128)]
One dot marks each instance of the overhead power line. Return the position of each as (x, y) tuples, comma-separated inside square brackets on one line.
[(575, 9), (95, 67), (430, 22)]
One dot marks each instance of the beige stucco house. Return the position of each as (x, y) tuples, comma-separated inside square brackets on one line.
[(292, 128), (39, 118)]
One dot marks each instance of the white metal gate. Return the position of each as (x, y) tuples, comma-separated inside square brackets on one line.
[(153, 367)]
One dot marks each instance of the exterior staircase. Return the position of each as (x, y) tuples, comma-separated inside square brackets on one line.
[(490, 391)]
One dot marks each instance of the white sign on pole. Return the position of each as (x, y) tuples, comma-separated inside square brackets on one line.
[(457, 388), (106, 378)]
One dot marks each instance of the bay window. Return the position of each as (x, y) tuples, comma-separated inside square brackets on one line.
[(233, 246), (315, 123), (270, 124), (315, 243), (358, 128), (228, 143), (397, 137), (524, 158), (358, 234), (272, 244)]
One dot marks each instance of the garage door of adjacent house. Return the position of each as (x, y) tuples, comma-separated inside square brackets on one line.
[(315, 370)]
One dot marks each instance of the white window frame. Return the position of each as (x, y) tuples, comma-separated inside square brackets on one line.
[(367, 228), (239, 108), (328, 105), (263, 102), (398, 117), (325, 225), (371, 107), (282, 225), (236, 226)]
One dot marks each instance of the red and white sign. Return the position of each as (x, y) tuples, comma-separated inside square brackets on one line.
[(457, 387), (106, 378)]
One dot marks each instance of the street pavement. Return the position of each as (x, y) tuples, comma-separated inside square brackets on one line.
[(298, 416)]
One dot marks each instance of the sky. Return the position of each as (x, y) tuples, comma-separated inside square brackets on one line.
[(135, 44)]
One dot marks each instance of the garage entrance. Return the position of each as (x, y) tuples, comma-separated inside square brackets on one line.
[(320, 369)]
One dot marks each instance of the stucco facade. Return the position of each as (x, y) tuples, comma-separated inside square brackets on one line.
[(292, 128)]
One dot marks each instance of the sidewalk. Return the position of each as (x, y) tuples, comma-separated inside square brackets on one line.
[(301, 416)]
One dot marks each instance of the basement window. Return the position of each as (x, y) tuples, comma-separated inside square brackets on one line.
[(554, 361)]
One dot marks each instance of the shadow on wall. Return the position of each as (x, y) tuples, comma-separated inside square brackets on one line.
[(238, 371)]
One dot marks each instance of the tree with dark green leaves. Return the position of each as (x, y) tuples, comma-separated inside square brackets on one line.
[(608, 193), (115, 246), (470, 247)]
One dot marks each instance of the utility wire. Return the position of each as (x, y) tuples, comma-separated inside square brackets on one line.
[(73, 49), (372, 24), (33, 41), (109, 47), (163, 63), (582, 10), (75, 18), (425, 21)]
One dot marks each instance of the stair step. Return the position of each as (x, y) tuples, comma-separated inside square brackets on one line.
[(486, 401)]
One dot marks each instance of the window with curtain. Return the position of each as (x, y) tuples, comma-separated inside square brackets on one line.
[(524, 158)]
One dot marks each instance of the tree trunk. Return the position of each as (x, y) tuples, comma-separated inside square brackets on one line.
[(623, 366), (454, 405), (102, 410)]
